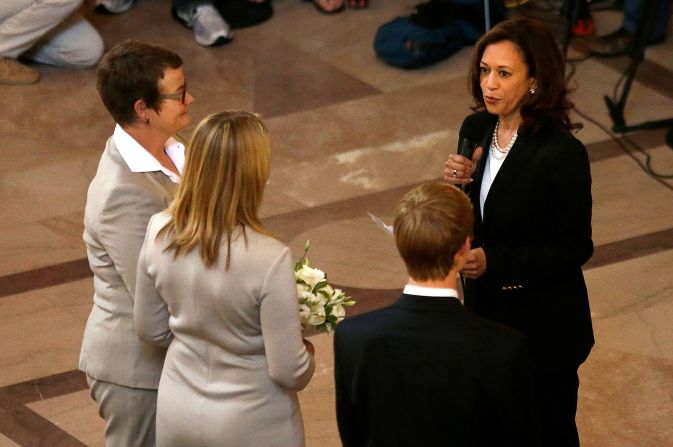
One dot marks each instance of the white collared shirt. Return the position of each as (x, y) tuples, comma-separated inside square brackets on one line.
[(410, 289), (139, 159)]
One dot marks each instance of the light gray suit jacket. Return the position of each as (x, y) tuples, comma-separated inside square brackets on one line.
[(118, 207), (237, 359)]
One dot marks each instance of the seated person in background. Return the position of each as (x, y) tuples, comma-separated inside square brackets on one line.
[(424, 371), (47, 32), (620, 41), (201, 16)]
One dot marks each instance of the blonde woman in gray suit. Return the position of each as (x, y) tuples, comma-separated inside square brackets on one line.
[(219, 291), (143, 87)]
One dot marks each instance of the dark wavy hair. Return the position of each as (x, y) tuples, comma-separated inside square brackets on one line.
[(131, 71), (545, 63)]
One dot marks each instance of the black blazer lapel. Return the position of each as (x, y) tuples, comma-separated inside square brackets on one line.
[(478, 174), (513, 165)]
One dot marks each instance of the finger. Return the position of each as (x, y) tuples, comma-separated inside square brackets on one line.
[(478, 152), (449, 178)]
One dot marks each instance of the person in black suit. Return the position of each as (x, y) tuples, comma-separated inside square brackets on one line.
[(531, 194), (424, 371)]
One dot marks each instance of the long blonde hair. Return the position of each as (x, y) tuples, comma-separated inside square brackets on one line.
[(228, 163)]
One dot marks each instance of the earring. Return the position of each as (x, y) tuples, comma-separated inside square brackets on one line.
[(531, 91)]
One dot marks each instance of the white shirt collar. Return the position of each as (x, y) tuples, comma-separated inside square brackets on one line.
[(410, 289), (139, 160)]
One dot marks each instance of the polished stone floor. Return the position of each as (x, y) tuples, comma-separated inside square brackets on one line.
[(351, 135)]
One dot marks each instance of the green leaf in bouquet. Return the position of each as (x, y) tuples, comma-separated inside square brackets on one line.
[(320, 285)]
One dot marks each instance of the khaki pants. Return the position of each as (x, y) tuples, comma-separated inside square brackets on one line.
[(129, 413), (48, 31)]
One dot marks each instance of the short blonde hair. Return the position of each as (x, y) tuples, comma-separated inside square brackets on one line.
[(432, 222), (228, 163)]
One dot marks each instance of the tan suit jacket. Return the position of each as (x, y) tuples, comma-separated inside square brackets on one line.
[(119, 206), (237, 358)]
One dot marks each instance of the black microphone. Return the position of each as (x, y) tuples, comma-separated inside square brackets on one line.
[(470, 136), (466, 147)]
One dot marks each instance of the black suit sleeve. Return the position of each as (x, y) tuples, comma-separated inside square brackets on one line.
[(566, 243)]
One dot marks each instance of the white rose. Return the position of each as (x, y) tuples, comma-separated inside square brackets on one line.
[(301, 288), (311, 276), (338, 311), (304, 313), (309, 298), (317, 315)]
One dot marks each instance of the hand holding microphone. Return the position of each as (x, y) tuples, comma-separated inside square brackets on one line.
[(459, 167)]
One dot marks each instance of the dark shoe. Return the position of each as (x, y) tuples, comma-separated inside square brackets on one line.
[(322, 10), (614, 44), (244, 13)]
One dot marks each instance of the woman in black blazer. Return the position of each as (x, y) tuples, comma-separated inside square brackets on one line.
[(531, 194)]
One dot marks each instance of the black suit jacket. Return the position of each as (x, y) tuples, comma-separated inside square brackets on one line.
[(536, 233), (425, 372)]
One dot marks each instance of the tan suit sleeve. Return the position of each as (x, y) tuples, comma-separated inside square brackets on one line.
[(289, 363), (150, 311), (122, 226)]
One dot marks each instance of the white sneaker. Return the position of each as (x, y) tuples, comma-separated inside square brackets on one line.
[(114, 6), (209, 27)]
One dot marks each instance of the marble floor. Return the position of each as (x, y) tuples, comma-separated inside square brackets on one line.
[(351, 135)]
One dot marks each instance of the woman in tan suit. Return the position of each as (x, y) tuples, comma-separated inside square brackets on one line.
[(143, 87), (219, 291)]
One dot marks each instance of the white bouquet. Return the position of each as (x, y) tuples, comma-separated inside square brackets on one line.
[(319, 304)]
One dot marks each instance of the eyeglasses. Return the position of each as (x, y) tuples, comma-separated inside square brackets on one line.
[(180, 95)]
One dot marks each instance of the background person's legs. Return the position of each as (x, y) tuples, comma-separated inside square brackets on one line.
[(24, 22), (73, 43)]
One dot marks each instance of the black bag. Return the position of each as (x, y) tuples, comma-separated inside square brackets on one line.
[(434, 31)]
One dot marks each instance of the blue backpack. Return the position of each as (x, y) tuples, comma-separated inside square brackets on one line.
[(436, 30)]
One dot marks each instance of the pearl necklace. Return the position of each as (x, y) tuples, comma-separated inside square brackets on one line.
[(496, 151)]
